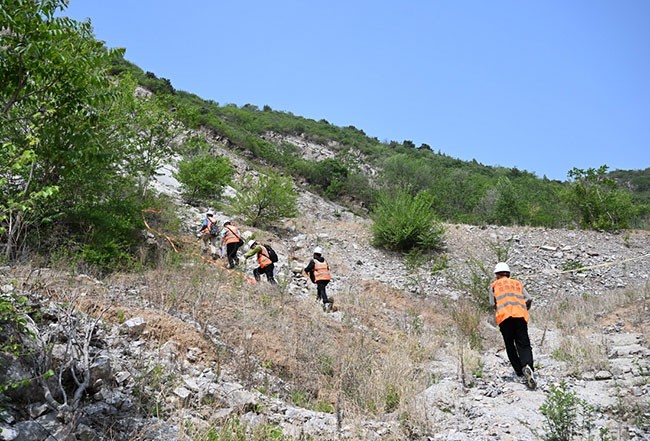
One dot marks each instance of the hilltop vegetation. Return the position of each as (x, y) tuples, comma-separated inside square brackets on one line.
[(636, 181), (462, 191)]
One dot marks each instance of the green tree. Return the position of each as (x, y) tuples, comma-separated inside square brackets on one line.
[(458, 193), (66, 138), (153, 136), (267, 199), (509, 207), (404, 222), (543, 202), (408, 144), (598, 201), (204, 176), (55, 110)]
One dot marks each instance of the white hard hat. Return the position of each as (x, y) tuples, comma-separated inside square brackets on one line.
[(501, 267), (318, 250), (251, 243), (210, 213)]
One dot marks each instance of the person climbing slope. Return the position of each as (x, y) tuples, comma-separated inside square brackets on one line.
[(209, 233), (232, 239), (263, 259), (319, 273), (511, 302)]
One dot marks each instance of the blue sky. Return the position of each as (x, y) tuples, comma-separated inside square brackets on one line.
[(544, 86)]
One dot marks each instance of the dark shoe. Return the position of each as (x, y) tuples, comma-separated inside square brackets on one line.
[(530, 377), (214, 257)]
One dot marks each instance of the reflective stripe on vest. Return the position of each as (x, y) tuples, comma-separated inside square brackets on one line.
[(231, 236), (263, 257), (321, 271), (509, 298)]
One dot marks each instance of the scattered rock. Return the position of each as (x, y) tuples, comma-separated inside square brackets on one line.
[(603, 375), (134, 326), (182, 393)]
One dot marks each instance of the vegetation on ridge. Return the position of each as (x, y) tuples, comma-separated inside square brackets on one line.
[(463, 191)]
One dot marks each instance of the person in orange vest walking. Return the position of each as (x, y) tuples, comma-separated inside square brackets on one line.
[(263, 259), (511, 302), (319, 273), (231, 238)]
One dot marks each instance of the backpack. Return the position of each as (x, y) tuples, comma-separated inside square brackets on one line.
[(214, 229), (272, 254)]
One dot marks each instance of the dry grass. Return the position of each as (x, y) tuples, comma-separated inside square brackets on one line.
[(571, 313), (582, 353), (467, 319), (369, 362), (582, 319), (375, 360)]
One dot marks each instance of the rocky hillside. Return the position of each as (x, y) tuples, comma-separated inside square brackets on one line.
[(194, 351)]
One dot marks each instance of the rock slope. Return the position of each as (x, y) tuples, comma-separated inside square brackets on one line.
[(600, 269)]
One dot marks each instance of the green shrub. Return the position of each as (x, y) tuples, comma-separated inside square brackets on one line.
[(266, 200), (572, 265), (300, 398), (233, 429), (358, 187), (403, 169), (102, 235), (404, 222), (598, 201), (391, 398), (107, 236), (509, 207), (324, 406), (204, 176), (481, 275), (328, 174), (567, 416), (326, 365), (13, 329), (12, 323)]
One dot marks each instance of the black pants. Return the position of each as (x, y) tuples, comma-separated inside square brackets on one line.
[(231, 252), (515, 336), (320, 291), (268, 270)]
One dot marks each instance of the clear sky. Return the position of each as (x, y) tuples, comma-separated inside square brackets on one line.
[(541, 85)]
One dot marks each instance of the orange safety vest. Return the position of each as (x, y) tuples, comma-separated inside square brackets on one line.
[(231, 235), (263, 257), (321, 271), (509, 297)]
